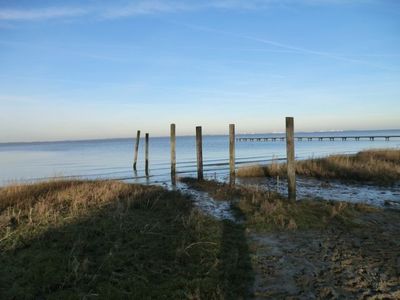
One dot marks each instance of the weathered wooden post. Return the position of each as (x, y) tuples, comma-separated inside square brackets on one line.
[(232, 154), (290, 157), (147, 154), (136, 149), (173, 154), (199, 147)]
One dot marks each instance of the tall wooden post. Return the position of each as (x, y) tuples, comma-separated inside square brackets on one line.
[(136, 149), (199, 147), (147, 154), (232, 154), (291, 168), (173, 154)]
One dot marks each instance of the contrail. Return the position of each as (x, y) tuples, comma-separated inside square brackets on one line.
[(293, 49)]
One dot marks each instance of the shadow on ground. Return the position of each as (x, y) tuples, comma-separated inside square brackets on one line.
[(137, 248), (236, 274)]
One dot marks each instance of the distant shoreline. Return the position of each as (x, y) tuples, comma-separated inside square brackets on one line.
[(205, 135)]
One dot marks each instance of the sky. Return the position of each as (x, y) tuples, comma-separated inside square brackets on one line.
[(104, 69)]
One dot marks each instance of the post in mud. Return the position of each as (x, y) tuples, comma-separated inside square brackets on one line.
[(199, 148), (136, 149), (147, 154), (232, 173), (173, 154), (290, 158)]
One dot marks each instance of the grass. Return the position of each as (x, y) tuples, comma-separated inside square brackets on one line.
[(111, 240), (266, 210), (377, 166)]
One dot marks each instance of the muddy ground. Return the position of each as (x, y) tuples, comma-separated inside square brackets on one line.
[(361, 262)]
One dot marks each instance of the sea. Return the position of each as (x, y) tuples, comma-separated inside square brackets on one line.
[(113, 158)]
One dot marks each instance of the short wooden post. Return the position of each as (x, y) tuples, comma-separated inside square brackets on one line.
[(173, 154), (136, 149), (291, 168), (147, 154), (199, 147), (232, 154)]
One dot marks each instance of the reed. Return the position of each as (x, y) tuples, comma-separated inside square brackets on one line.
[(378, 166)]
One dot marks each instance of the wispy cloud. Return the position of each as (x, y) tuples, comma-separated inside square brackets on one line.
[(120, 9), (40, 14), (283, 46), (145, 7)]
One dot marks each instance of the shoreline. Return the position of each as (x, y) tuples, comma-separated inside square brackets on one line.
[(68, 140), (319, 243)]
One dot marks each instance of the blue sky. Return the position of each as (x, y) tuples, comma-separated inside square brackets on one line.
[(97, 69)]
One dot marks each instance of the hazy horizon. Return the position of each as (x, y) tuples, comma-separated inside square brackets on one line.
[(205, 133)]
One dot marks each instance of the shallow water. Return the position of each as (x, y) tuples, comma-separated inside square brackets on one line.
[(333, 190), (219, 209)]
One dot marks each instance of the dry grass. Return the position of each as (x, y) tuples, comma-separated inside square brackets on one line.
[(269, 210), (266, 210), (35, 207), (378, 166), (110, 240)]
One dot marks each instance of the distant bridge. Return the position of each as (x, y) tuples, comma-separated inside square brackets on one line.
[(319, 138)]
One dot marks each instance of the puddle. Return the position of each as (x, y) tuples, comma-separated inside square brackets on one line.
[(333, 190)]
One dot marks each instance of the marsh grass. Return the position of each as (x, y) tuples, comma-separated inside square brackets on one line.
[(110, 240), (377, 166), (268, 210)]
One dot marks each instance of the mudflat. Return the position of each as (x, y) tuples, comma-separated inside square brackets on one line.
[(361, 262)]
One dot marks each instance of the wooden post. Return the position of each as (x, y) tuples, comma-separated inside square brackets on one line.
[(136, 149), (291, 168), (173, 154), (199, 147), (147, 154), (232, 154)]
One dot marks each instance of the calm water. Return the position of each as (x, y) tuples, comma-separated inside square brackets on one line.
[(21, 162)]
